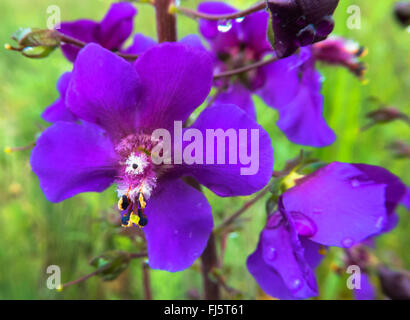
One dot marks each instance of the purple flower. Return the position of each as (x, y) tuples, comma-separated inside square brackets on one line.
[(339, 51), (338, 205), (120, 105), (291, 85), (111, 33), (299, 23)]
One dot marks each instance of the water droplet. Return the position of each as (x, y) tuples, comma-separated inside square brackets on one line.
[(295, 285), (380, 222), (304, 225), (240, 19), (355, 183), (225, 25), (271, 253), (347, 242)]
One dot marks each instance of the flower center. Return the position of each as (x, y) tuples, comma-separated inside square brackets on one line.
[(137, 178)]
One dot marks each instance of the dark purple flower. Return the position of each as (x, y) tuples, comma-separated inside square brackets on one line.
[(367, 291), (299, 23), (111, 33), (120, 104), (338, 205), (292, 85)]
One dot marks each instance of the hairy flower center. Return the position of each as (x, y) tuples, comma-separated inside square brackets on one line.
[(137, 178)]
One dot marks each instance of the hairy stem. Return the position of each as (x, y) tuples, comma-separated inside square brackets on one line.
[(166, 22), (247, 68), (209, 261), (146, 281), (228, 221), (78, 43), (200, 15)]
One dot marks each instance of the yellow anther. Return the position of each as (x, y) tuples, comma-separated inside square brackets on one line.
[(134, 219), (322, 250), (290, 180), (7, 46), (59, 288), (8, 150), (142, 201)]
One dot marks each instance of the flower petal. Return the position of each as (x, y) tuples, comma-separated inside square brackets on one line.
[(70, 158), (58, 110), (341, 207), (140, 44), (238, 95), (117, 25), (367, 290), (279, 264), (83, 30), (228, 180), (302, 119), (282, 82), (175, 80), (179, 225), (254, 28), (220, 41), (104, 90)]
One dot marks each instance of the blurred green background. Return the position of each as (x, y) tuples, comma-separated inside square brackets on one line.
[(35, 233)]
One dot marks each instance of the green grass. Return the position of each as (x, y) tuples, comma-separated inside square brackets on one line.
[(35, 233)]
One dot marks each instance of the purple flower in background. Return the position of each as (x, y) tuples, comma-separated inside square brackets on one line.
[(299, 23), (120, 105), (111, 33), (291, 85), (338, 205)]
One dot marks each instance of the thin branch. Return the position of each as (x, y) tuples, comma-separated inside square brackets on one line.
[(96, 272), (228, 221), (80, 44), (146, 281), (245, 68), (215, 17)]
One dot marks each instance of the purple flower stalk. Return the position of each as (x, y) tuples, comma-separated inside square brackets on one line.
[(119, 105), (338, 205)]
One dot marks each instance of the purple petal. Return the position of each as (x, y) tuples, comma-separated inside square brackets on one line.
[(406, 199), (140, 44), (279, 265), (104, 90), (238, 95), (367, 290), (254, 29), (175, 80), (341, 208), (117, 25), (227, 179), (395, 189), (192, 40), (220, 41), (302, 118), (58, 110), (179, 225), (84, 30), (282, 82), (70, 158)]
